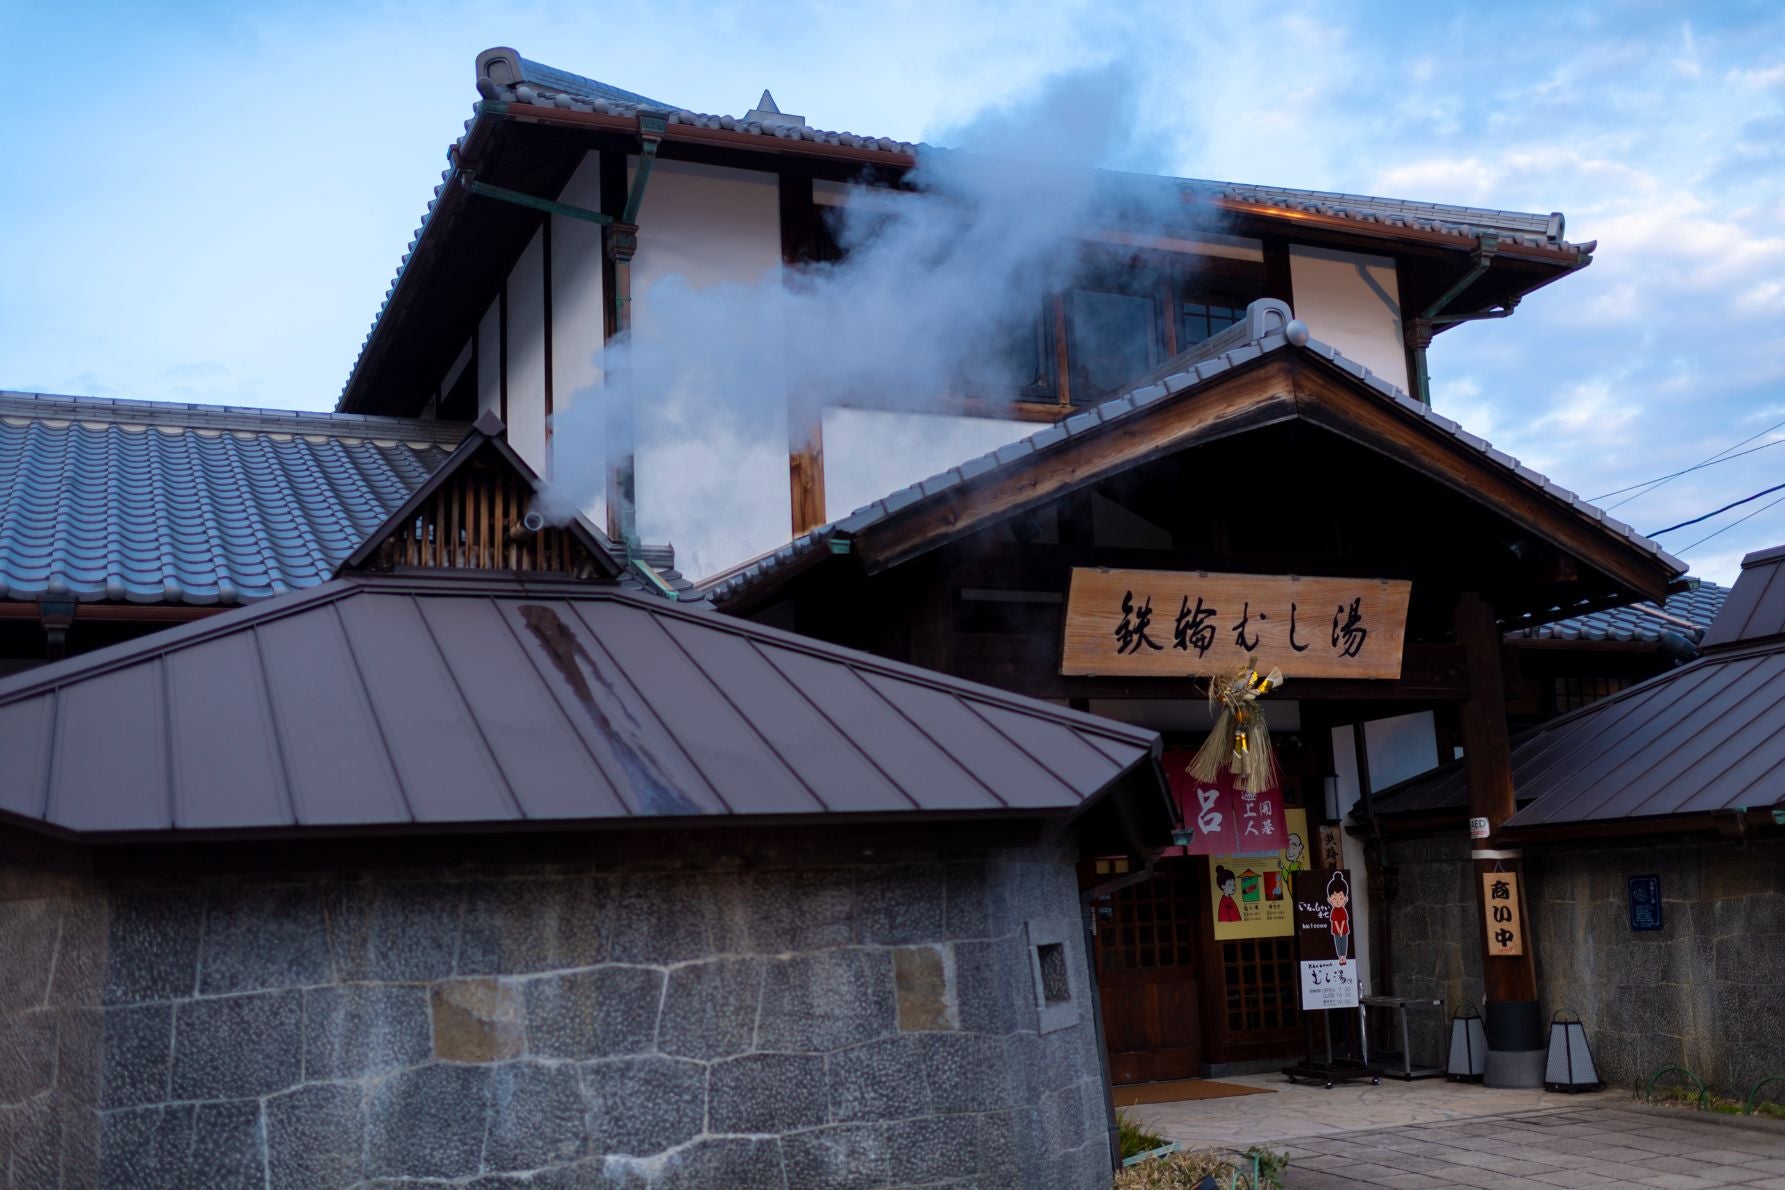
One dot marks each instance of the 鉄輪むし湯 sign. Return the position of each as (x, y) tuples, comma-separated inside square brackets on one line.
[(1172, 623)]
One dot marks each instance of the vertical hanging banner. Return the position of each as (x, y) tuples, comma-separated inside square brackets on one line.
[(1226, 819), (1505, 929), (1251, 893), (1323, 939)]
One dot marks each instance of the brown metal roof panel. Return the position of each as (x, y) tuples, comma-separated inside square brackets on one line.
[(839, 774), (446, 772), (1688, 748), (337, 767), (927, 774), (24, 754), (1604, 734), (226, 757), (1013, 776), (654, 775), (111, 770), (550, 770), (1070, 756), (1623, 767), (699, 720)]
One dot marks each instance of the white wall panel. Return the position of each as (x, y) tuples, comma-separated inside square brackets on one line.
[(1352, 302)]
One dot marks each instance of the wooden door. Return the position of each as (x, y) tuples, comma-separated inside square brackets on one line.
[(1147, 977)]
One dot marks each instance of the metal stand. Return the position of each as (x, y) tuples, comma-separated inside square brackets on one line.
[(1398, 1005), (1334, 1070)]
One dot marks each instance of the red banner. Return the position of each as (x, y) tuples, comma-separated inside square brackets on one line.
[(1225, 818)]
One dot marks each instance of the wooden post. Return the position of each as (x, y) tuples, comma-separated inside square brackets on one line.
[(805, 465), (1510, 981)]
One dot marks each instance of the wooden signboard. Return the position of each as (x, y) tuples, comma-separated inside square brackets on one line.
[(1168, 623), (1505, 930)]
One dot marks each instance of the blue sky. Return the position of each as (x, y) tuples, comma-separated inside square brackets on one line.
[(207, 201)]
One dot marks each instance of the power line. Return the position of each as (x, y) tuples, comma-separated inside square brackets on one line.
[(1732, 524), (1710, 462), (1707, 516)]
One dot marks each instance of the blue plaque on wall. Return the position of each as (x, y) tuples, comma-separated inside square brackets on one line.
[(1645, 902)]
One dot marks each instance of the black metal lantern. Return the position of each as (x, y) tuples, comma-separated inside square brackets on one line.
[(1570, 1064), (1468, 1047)]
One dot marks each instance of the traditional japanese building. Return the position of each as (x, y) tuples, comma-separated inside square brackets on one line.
[(1255, 462), (486, 860), (366, 804)]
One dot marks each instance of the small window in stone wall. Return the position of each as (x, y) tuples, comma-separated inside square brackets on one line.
[(1055, 987), (1050, 964)]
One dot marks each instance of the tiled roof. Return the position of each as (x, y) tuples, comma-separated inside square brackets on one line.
[(1240, 344), (546, 86), (1638, 621), (151, 502)]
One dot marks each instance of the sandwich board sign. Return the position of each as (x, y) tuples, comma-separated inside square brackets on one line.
[(1323, 940)]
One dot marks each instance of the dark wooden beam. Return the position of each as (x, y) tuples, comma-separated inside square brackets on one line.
[(1487, 763)]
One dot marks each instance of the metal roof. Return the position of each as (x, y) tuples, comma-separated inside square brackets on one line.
[(472, 698), (1637, 622), (152, 502), (1265, 329), (1755, 609), (1706, 737)]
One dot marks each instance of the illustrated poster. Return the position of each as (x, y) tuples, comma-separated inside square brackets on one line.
[(1251, 891)]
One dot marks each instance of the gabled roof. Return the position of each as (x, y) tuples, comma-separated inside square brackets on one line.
[(537, 85), (1264, 334), (1685, 612), (530, 92), (153, 502), (1706, 738), (489, 437), (464, 700)]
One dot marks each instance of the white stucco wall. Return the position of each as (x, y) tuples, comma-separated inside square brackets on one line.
[(869, 453), (1353, 302), (526, 354), (711, 474), (489, 359), (579, 312)]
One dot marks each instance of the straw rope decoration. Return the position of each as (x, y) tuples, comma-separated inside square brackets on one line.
[(1241, 740)]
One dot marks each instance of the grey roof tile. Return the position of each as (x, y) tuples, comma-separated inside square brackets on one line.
[(1698, 605), (152, 502)]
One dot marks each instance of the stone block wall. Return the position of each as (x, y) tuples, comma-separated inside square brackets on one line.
[(1707, 991), (858, 1022)]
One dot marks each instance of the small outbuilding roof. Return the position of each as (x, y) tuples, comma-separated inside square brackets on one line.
[(1708, 737), (471, 700), (1683, 612), (155, 502)]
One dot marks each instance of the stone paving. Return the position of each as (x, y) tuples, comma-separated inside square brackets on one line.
[(1402, 1136)]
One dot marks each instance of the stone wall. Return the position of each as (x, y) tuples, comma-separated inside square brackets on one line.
[(857, 1022), (1707, 991), (49, 1030)]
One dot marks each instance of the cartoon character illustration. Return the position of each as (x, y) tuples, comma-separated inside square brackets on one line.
[(1295, 854), (1338, 895), (1227, 882)]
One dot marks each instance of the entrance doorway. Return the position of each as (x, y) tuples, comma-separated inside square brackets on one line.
[(1146, 949)]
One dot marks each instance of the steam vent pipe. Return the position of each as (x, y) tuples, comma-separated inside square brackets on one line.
[(526, 527), (622, 245)]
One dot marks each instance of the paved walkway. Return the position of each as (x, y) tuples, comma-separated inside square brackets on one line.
[(1404, 1136)]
